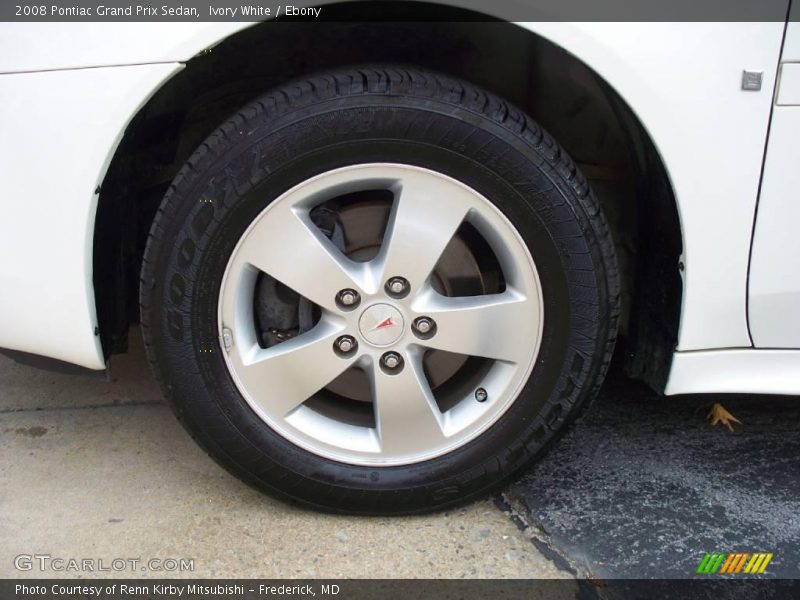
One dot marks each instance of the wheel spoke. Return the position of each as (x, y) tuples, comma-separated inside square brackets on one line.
[(298, 255), (281, 378), (498, 326), (425, 216), (406, 413)]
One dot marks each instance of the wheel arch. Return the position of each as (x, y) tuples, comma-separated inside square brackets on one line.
[(581, 109)]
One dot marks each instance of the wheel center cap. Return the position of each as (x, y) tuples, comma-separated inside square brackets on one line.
[(381, 324)]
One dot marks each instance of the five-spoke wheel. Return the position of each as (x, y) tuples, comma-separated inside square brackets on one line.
[(382, 315)]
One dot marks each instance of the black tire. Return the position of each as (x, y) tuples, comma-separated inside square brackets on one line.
[(372, 115)]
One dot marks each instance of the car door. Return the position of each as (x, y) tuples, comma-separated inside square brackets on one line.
[(774, 286)]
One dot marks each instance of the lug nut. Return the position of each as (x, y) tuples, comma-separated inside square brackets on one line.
[(345, 344), (397, 286), (348, 298), (481, 395), (424, 326), (391, 361)]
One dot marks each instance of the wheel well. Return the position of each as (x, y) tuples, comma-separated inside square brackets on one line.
[(565, 96)]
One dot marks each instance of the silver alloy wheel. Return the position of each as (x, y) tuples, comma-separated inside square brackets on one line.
[(409, 426)]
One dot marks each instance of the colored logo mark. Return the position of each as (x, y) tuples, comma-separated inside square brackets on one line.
[(734, 562)]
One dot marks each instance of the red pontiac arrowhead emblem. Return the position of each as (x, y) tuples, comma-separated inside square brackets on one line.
[(388, 322)]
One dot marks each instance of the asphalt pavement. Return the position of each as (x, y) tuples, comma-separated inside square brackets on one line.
[(644, 486)]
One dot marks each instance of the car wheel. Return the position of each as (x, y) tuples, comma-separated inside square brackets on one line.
[(379, 291)]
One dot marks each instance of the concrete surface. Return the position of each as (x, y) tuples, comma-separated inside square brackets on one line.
[(644, 487), (91, 468)]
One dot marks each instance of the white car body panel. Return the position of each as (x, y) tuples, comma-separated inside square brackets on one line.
[(59, 130), (791, 46), (774, 285), (774, 307), (681, 79), (740, 371), (789, 87)]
